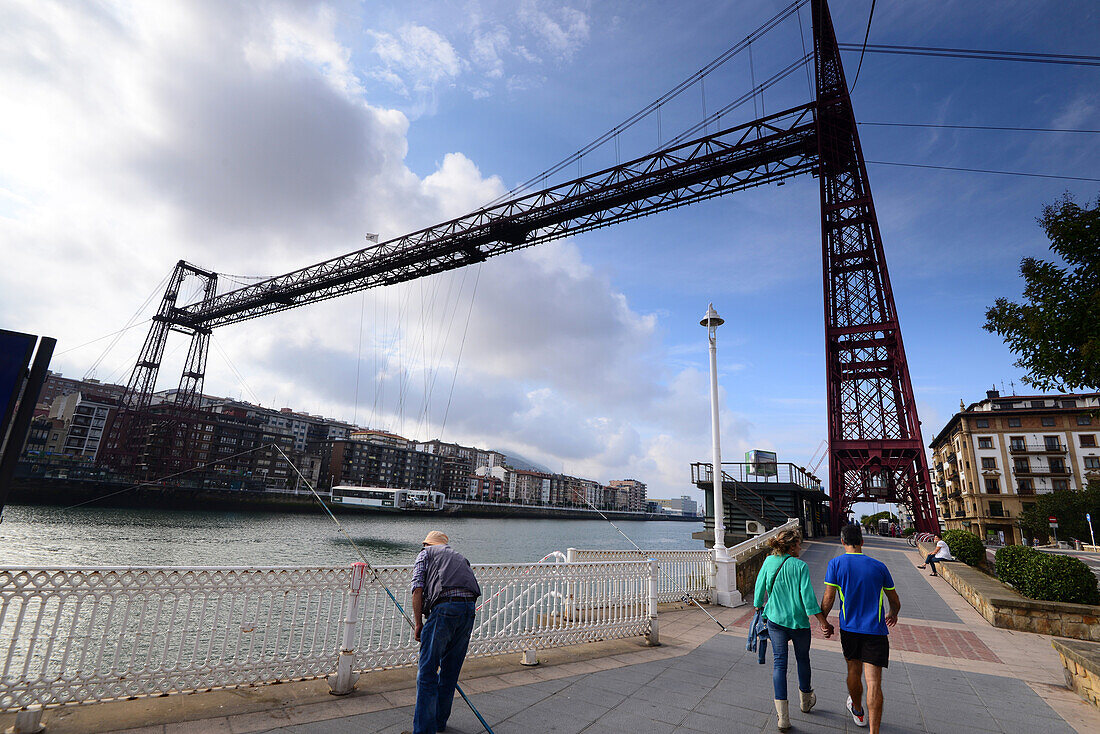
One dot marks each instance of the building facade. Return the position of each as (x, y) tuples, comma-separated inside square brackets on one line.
[(994, 457), (635, 490), (84, 419), (369, 464)]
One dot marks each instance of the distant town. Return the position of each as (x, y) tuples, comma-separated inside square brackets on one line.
[(235, 445)]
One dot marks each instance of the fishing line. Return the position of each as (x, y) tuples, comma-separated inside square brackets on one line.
[(686, 595), (376, 579)]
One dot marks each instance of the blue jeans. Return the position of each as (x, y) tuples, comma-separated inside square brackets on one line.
[(443, 643), (801, 639)]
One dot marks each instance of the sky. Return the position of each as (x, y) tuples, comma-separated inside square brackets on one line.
[(254, 138)]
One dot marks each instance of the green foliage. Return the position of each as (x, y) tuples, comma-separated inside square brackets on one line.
[(873, 519), (1069, 507), (965, 546), (1056, 331), (906, 532), (1010, 562), (1052, 577)]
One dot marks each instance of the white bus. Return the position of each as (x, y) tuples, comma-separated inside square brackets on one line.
[(388, 499)]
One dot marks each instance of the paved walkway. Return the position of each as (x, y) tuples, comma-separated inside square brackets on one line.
[(950, 672)]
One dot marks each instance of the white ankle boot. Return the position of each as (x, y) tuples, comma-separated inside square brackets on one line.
[(781, 708), (807, 701)]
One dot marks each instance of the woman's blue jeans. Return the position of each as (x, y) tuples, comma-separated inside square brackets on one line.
[(801, 639)]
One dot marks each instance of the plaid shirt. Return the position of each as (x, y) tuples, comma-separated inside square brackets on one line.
[(420, 568)]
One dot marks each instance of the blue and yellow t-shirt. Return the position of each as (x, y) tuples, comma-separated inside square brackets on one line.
[(861, 583)]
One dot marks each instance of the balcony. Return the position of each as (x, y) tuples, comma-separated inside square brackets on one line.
[(1015, 447), (955, 494), (960, 513), (951, 459), (1042, 471)]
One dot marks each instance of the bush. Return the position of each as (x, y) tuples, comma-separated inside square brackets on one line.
[(907, 532), (1011, 561), (965, 546), (1052, 577)]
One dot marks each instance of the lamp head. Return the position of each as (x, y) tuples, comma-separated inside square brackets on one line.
[(712, 319)]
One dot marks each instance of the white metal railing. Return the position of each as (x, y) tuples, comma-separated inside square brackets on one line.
[(97, 634), (680, 573)]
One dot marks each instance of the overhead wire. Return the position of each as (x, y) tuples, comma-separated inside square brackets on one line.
[(984, 170), (981, 127), (864, 49), (965, 53)]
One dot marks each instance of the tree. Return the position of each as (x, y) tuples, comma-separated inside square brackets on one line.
[(1056, 331), (1069, 507)]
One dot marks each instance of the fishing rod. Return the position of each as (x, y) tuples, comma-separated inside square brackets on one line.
[(686, 595), (376, 579)]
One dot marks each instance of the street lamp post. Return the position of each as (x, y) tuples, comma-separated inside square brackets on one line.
[(725, 569)]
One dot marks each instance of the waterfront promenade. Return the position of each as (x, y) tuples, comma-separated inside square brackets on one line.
[(950, 672)]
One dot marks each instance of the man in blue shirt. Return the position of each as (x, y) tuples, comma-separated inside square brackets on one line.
[(862, 584)]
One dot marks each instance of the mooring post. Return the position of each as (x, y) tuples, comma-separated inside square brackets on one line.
[(653, 637), (343, 682)]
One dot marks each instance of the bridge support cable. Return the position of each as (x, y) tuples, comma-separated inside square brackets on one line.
[(876, 452)]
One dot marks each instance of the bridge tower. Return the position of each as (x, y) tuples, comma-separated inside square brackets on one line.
[(875, 447), (142, 441)]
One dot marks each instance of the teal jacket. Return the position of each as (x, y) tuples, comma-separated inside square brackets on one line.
[(792, 600)]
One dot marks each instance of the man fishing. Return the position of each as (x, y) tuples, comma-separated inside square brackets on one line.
[(444, 590)]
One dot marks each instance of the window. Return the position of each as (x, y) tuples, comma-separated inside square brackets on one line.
[(1013, 422), (1016, 443), (1084, 420), (1021, 466), (1092, 462), (996, 509), (1051, 443), (1023, 486), (992, 486), (1069, 403), (982, 423), (1037, 404), (1088, 439), (985, 442), (1057, 465), (988, 462), (1060, 485), (1048, 421)]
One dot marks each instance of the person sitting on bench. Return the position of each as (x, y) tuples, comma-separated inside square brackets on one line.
[(942, 553)]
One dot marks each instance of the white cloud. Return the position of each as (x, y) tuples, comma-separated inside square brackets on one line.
[(418, 59), (138, 134), (560, 31)]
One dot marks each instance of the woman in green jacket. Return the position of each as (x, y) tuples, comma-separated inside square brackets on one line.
[(784, 582)]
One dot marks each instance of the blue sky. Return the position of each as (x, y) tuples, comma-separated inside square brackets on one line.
[(260, 137)]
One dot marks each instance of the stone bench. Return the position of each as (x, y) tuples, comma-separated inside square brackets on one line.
[(1081, 661), (1002, 606)]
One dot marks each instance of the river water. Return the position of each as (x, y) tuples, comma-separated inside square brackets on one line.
[(55, 536)]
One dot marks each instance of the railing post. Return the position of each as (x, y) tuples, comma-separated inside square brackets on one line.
[(569, 608), (653, 637), (343, 682), (28, 720)]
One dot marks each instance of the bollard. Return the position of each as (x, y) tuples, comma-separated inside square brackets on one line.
[(530, 657), (343, 682), (28, 720), (653, 637)]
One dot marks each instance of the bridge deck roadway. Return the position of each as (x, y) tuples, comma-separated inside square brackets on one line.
[(950, 672)]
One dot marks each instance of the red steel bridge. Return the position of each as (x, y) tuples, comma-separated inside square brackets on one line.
[(875, 445)]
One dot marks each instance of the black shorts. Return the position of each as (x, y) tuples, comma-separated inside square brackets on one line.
[(873, 649)]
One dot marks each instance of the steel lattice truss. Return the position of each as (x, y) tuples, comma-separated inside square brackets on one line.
[(763, 151), (874, 436)]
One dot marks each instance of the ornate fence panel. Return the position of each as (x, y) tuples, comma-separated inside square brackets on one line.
[(523, 606), (680, 573), (98, 634), (95, 634)]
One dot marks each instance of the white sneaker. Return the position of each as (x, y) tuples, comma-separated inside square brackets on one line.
[(860, 719)]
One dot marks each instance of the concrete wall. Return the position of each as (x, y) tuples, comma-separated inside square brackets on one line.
[(1004, 607)]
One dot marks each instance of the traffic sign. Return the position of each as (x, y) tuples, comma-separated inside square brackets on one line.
[(1054, 525), (1053, 519)]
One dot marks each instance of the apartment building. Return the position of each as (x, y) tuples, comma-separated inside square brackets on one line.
[(376, 464), (84, 418), (636, 493), (995, 456), (458, 464)]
